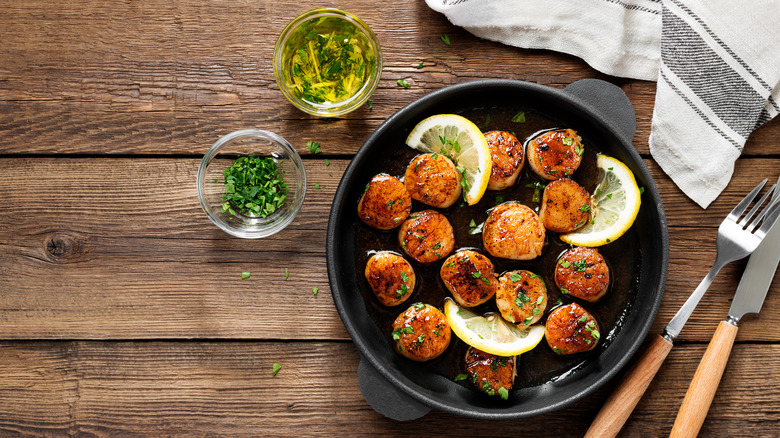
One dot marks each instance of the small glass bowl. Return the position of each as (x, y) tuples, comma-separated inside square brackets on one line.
[(211, 185), (291, 36)]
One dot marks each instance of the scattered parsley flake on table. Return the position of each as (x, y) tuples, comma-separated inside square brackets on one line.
[(315, 291), (327, 162), (445, 39), (419, 66), (403, 83), (370, 104), (286, 274), (245, 275), (313, 146), (275, 368)]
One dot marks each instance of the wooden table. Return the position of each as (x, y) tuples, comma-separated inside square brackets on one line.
[(122, 308)]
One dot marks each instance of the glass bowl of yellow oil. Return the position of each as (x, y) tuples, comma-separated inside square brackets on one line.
[(327, 62)]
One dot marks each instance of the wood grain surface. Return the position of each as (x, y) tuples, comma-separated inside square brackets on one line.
[(122, 308)]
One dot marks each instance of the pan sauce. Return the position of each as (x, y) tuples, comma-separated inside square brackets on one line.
[(539, 365)]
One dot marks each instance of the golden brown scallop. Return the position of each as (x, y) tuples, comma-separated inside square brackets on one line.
[(421, 332), (582, 273), (470, 277), (571, 329), (521, 297), (565, 206), (513, 231), (489, 373), (385, 203), (433, 179), (508, 156), (391, 277), (555, 154), (426, 236)]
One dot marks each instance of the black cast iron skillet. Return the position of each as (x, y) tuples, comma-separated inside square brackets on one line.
[(403, 390)]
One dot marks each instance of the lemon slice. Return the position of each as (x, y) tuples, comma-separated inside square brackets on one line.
[(491, 333), (614, 205), (459, 139)]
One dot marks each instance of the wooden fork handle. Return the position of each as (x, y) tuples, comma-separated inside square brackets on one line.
[(621, 403), (705, 382)]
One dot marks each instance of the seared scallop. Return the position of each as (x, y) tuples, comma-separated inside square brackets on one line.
[(470, 277), (385, 203), (513, 231), (555, 154), (582, 273), (489, 373), (521, 297), (565, 206), (421, 332), (433, 179), (508, 156), (426, 236), (391, 278), (571, 329)]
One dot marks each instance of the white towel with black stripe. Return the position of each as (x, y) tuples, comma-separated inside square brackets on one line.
[(717, 63)]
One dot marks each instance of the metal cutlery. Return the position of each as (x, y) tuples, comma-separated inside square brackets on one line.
[(737, 237), (748, 298)]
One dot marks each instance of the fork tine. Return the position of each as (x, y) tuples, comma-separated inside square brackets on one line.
[(771, 217), (743, 204), (758, 205)]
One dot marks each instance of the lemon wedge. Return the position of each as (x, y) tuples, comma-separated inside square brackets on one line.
[(461, 140), (614, 205), (491, 333)]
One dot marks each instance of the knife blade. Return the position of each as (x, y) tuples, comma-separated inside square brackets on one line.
[(749, 297), (757, 277)]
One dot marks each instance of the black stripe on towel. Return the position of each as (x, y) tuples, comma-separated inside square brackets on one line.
[(721, 88), (697, 110), (728, 50)]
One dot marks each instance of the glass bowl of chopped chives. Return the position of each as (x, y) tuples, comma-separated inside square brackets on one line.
[(251, 183), (327, 62)]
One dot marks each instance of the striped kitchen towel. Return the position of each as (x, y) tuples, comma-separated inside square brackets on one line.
[(717, 63)]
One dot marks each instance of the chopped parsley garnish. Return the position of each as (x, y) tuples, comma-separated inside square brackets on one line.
[(564, 263), (499, 199), (515, 277), (538, 187), (539, 300), (419, 306), (404, 277), (460, 377), (568, 141), (314, 147), (437, 246), (583, 318), (564, 291), (641, 190), (532, 275), (503, 393), (402, 290), (254, 186), (536, 311), (580, 265), (519, 117), (403, 83), (317, 185), (579, 150), (558, 350), (315, 291), (445, 39), (472, 224), (476, 274), (485, 280), (521, 299), (596, 334), (450, 265), (398, 332), (528, 320), (275, 368), (585, 207), (245, 275)]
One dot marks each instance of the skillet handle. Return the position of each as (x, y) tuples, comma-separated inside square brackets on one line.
[(385, 398), (609, 101), (621, 403)]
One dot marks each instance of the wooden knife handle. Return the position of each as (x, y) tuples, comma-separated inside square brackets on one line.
[(705, 382), (621, 403)]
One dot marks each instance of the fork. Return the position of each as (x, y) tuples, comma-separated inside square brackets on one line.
[(737, 237)]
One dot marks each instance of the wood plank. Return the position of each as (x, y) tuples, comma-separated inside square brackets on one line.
[(204, 388), (107, 257), (129, 79)]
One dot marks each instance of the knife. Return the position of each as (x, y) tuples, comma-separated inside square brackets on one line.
[(749, 298)]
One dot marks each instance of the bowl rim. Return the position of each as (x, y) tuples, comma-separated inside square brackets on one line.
[(362, 96), (275, 226)]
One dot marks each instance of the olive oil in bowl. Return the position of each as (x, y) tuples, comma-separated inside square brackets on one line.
[(327, 62)]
